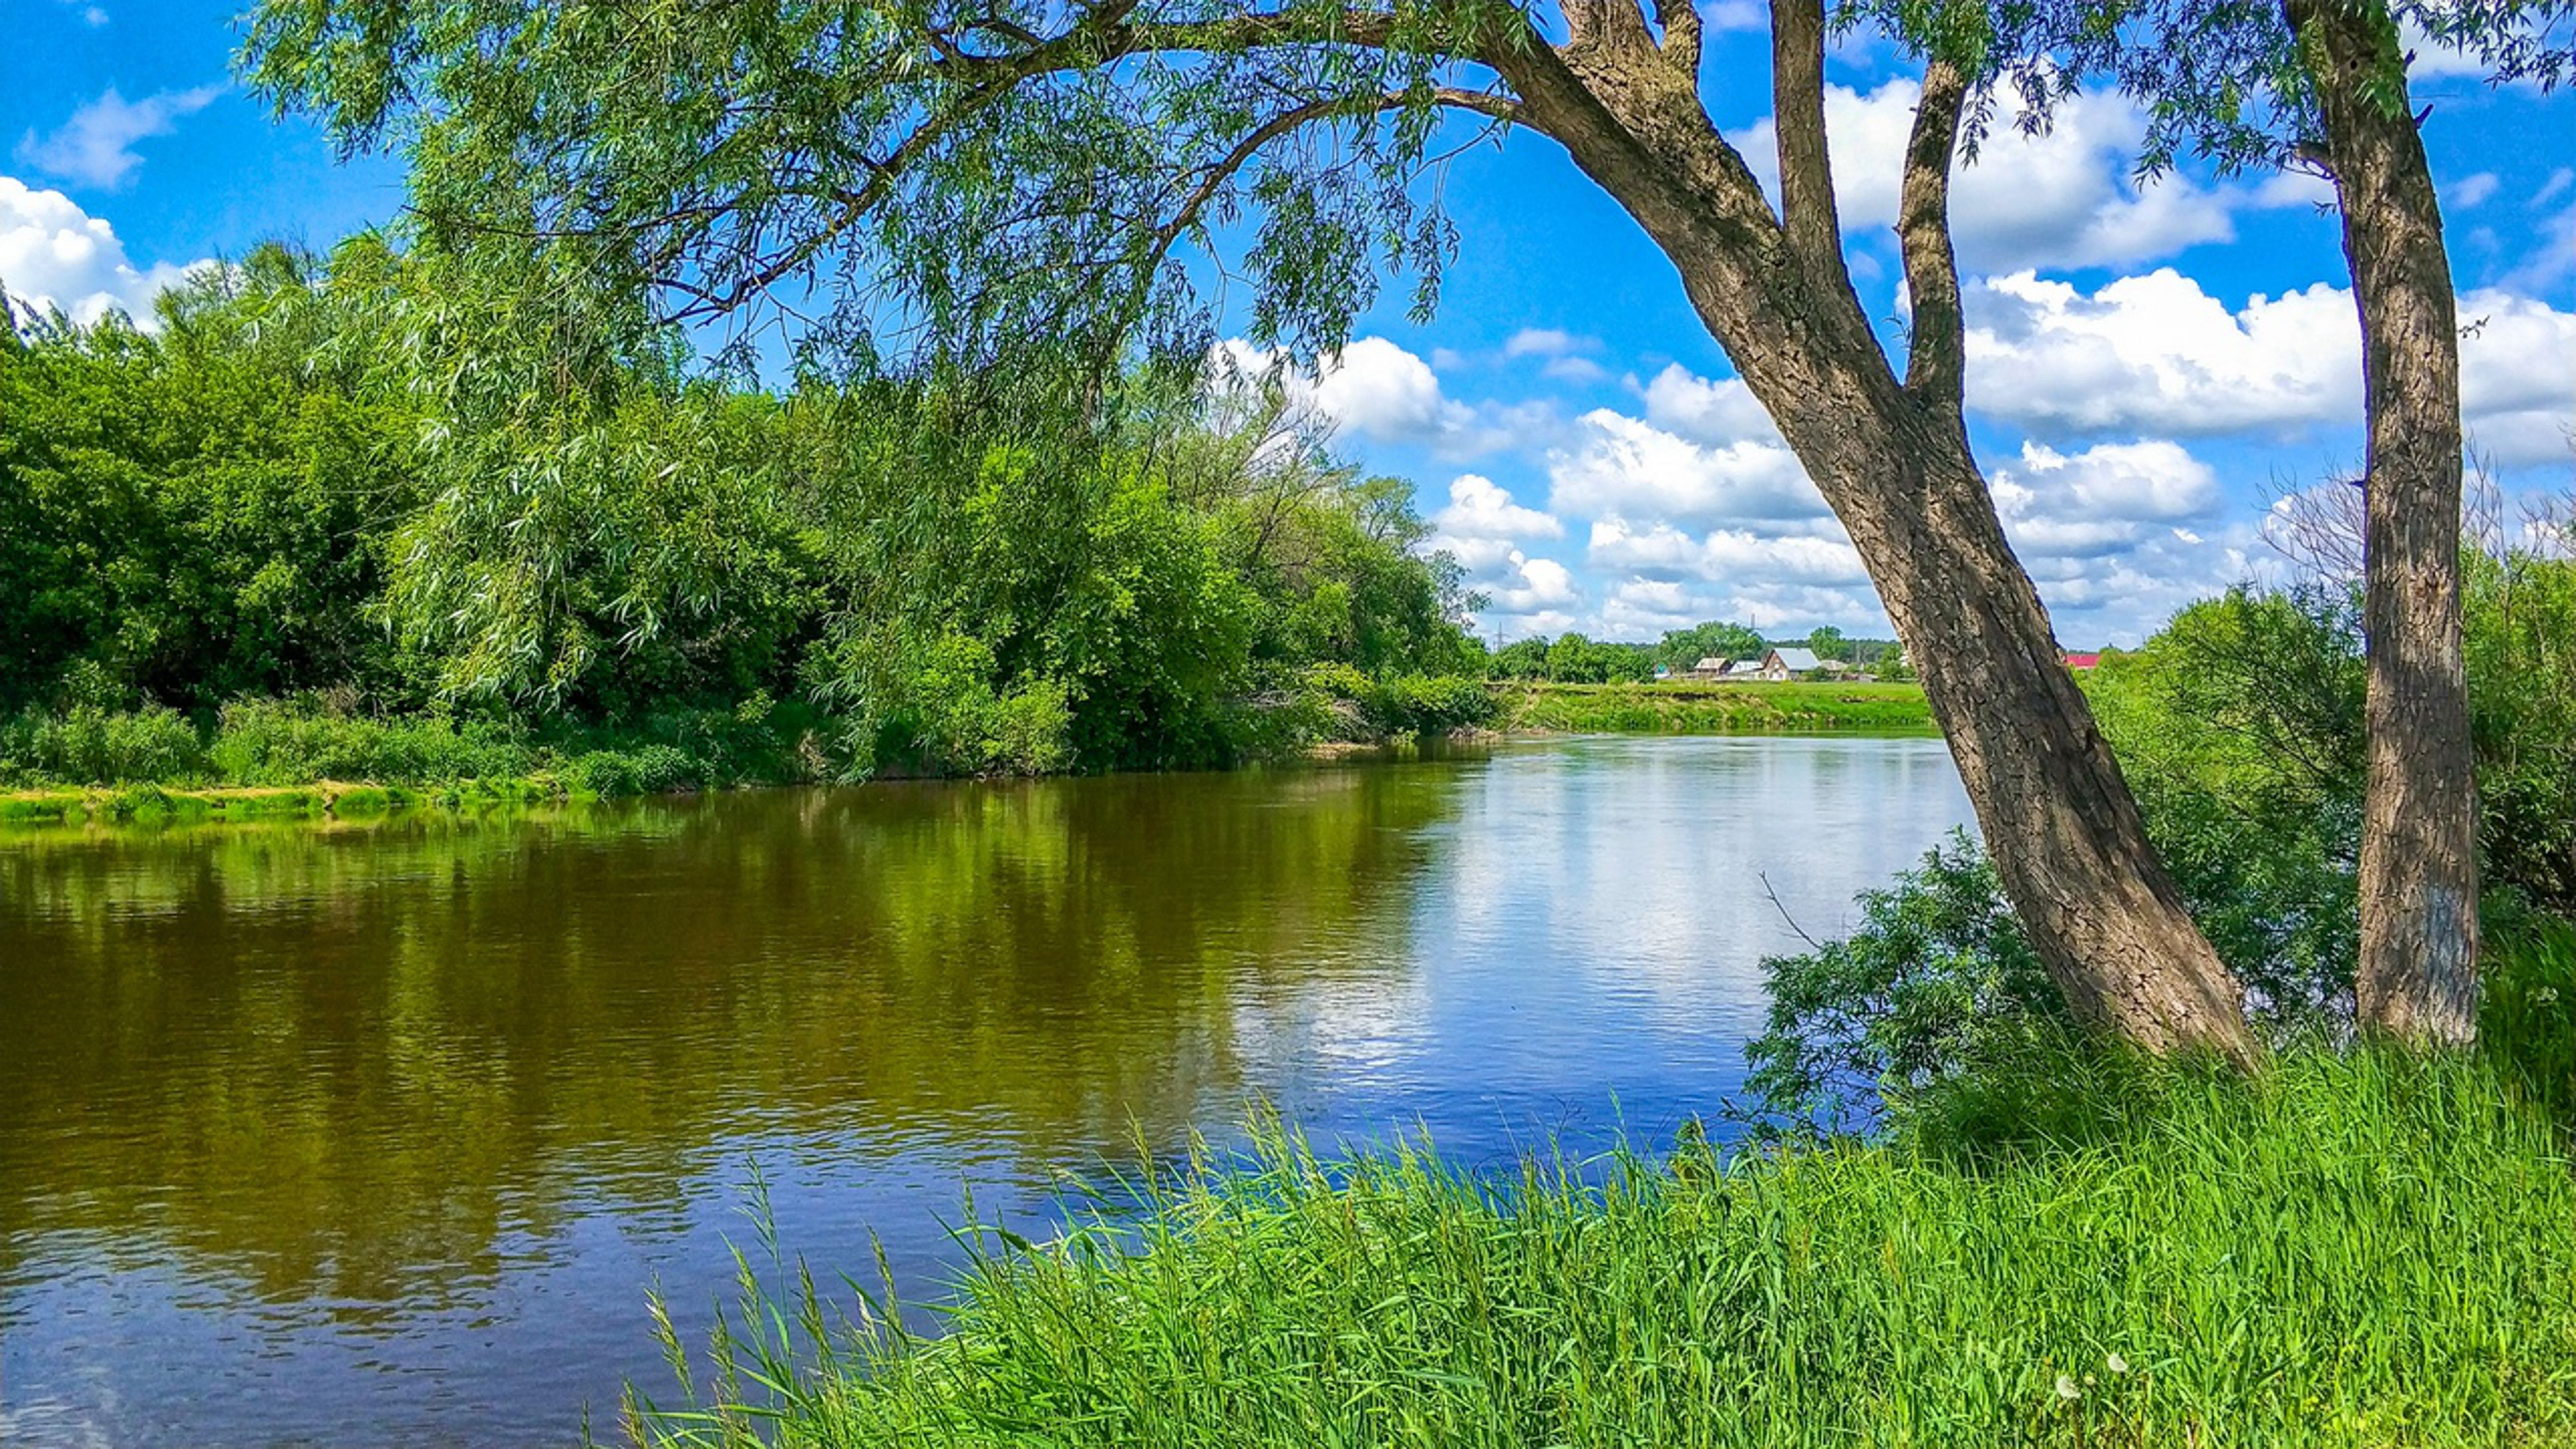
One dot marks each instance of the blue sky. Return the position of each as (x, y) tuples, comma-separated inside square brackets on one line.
[(2148, 369)]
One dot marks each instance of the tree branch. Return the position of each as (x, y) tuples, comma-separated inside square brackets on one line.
[(1798, 118), (1936, 361), (1216, 174), (1681, 27)]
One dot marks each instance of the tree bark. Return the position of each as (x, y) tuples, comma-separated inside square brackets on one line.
[(2419, 848), (1892, 458)]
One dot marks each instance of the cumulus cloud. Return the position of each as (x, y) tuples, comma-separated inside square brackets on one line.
[(1627, 467), (1376, 390), (54, 254), (2061, 198), (96, 146), (1526, 595), (1481, 508), (1715, 412), (1725, 555), (2108, 499), (2157, 354)]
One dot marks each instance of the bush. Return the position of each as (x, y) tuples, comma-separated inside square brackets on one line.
[(1435, 704), (1937, 976), (648, 770), (2527, 1013), (2521, 646), (278, 742), (87, 745)]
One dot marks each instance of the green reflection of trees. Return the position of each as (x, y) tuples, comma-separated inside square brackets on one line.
[(332, 1059)]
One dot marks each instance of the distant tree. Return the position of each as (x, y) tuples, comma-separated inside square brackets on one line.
[(1522, 659), (1827, 642), (1683, 648)]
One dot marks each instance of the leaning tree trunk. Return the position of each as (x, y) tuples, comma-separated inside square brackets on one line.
[(1892, 458), (2419, 848)]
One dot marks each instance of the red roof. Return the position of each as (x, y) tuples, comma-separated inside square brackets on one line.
[(2082, 661)]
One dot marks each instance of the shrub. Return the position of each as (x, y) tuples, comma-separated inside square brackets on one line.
[(1436, 704), (1937, 976), (87, 745), (280, 742)]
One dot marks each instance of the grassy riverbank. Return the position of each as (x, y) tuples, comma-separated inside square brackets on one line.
[(2355, 1250), (264, 759), (267, 759), (1709, 709)]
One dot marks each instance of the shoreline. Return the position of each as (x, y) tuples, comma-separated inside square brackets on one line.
[(1523, 711)]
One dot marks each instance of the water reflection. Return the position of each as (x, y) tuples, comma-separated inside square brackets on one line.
[(378, 1135)]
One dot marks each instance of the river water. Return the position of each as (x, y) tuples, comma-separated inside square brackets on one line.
[(381, 1134)]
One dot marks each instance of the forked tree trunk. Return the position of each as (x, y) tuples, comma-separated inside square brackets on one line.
[(1892, 457), (2419, 847)]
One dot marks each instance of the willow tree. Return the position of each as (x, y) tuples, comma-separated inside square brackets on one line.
[(2321, 86), (987, 172)]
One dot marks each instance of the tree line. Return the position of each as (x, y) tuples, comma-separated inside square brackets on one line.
[(380, 484), (1574, 658)]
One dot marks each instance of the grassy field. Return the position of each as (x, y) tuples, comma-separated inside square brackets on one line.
[(2353, 1250), (1710, 709)]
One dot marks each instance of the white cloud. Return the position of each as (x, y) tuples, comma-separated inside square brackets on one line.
[(2106, 500), (2518, 373), (1547, 342), (1627, 467), (2555, 187), (1725, 555), (53, 254), (1481, 508), (1722, 16), (2552, 264), (1580, 371), (96, 146), (1381, 391), (1527, 596), (2430, 59), (2470, 192), (1377, 390), (2061, 198), (1712, 412), (2157, 354)]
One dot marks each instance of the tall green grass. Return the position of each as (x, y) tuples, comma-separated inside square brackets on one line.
[(2357, 1249), (1711, 709), (262, 744)]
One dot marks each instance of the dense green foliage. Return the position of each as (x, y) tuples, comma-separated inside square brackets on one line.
[(469, 528), (2240, 727), (2353, 1250)]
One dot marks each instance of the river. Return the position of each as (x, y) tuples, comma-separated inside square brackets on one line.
[(380, 1134)]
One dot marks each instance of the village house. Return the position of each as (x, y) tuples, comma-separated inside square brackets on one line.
[(1780, 665)]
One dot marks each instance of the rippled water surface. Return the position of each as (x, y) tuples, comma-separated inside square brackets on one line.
[(380, 1134)]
